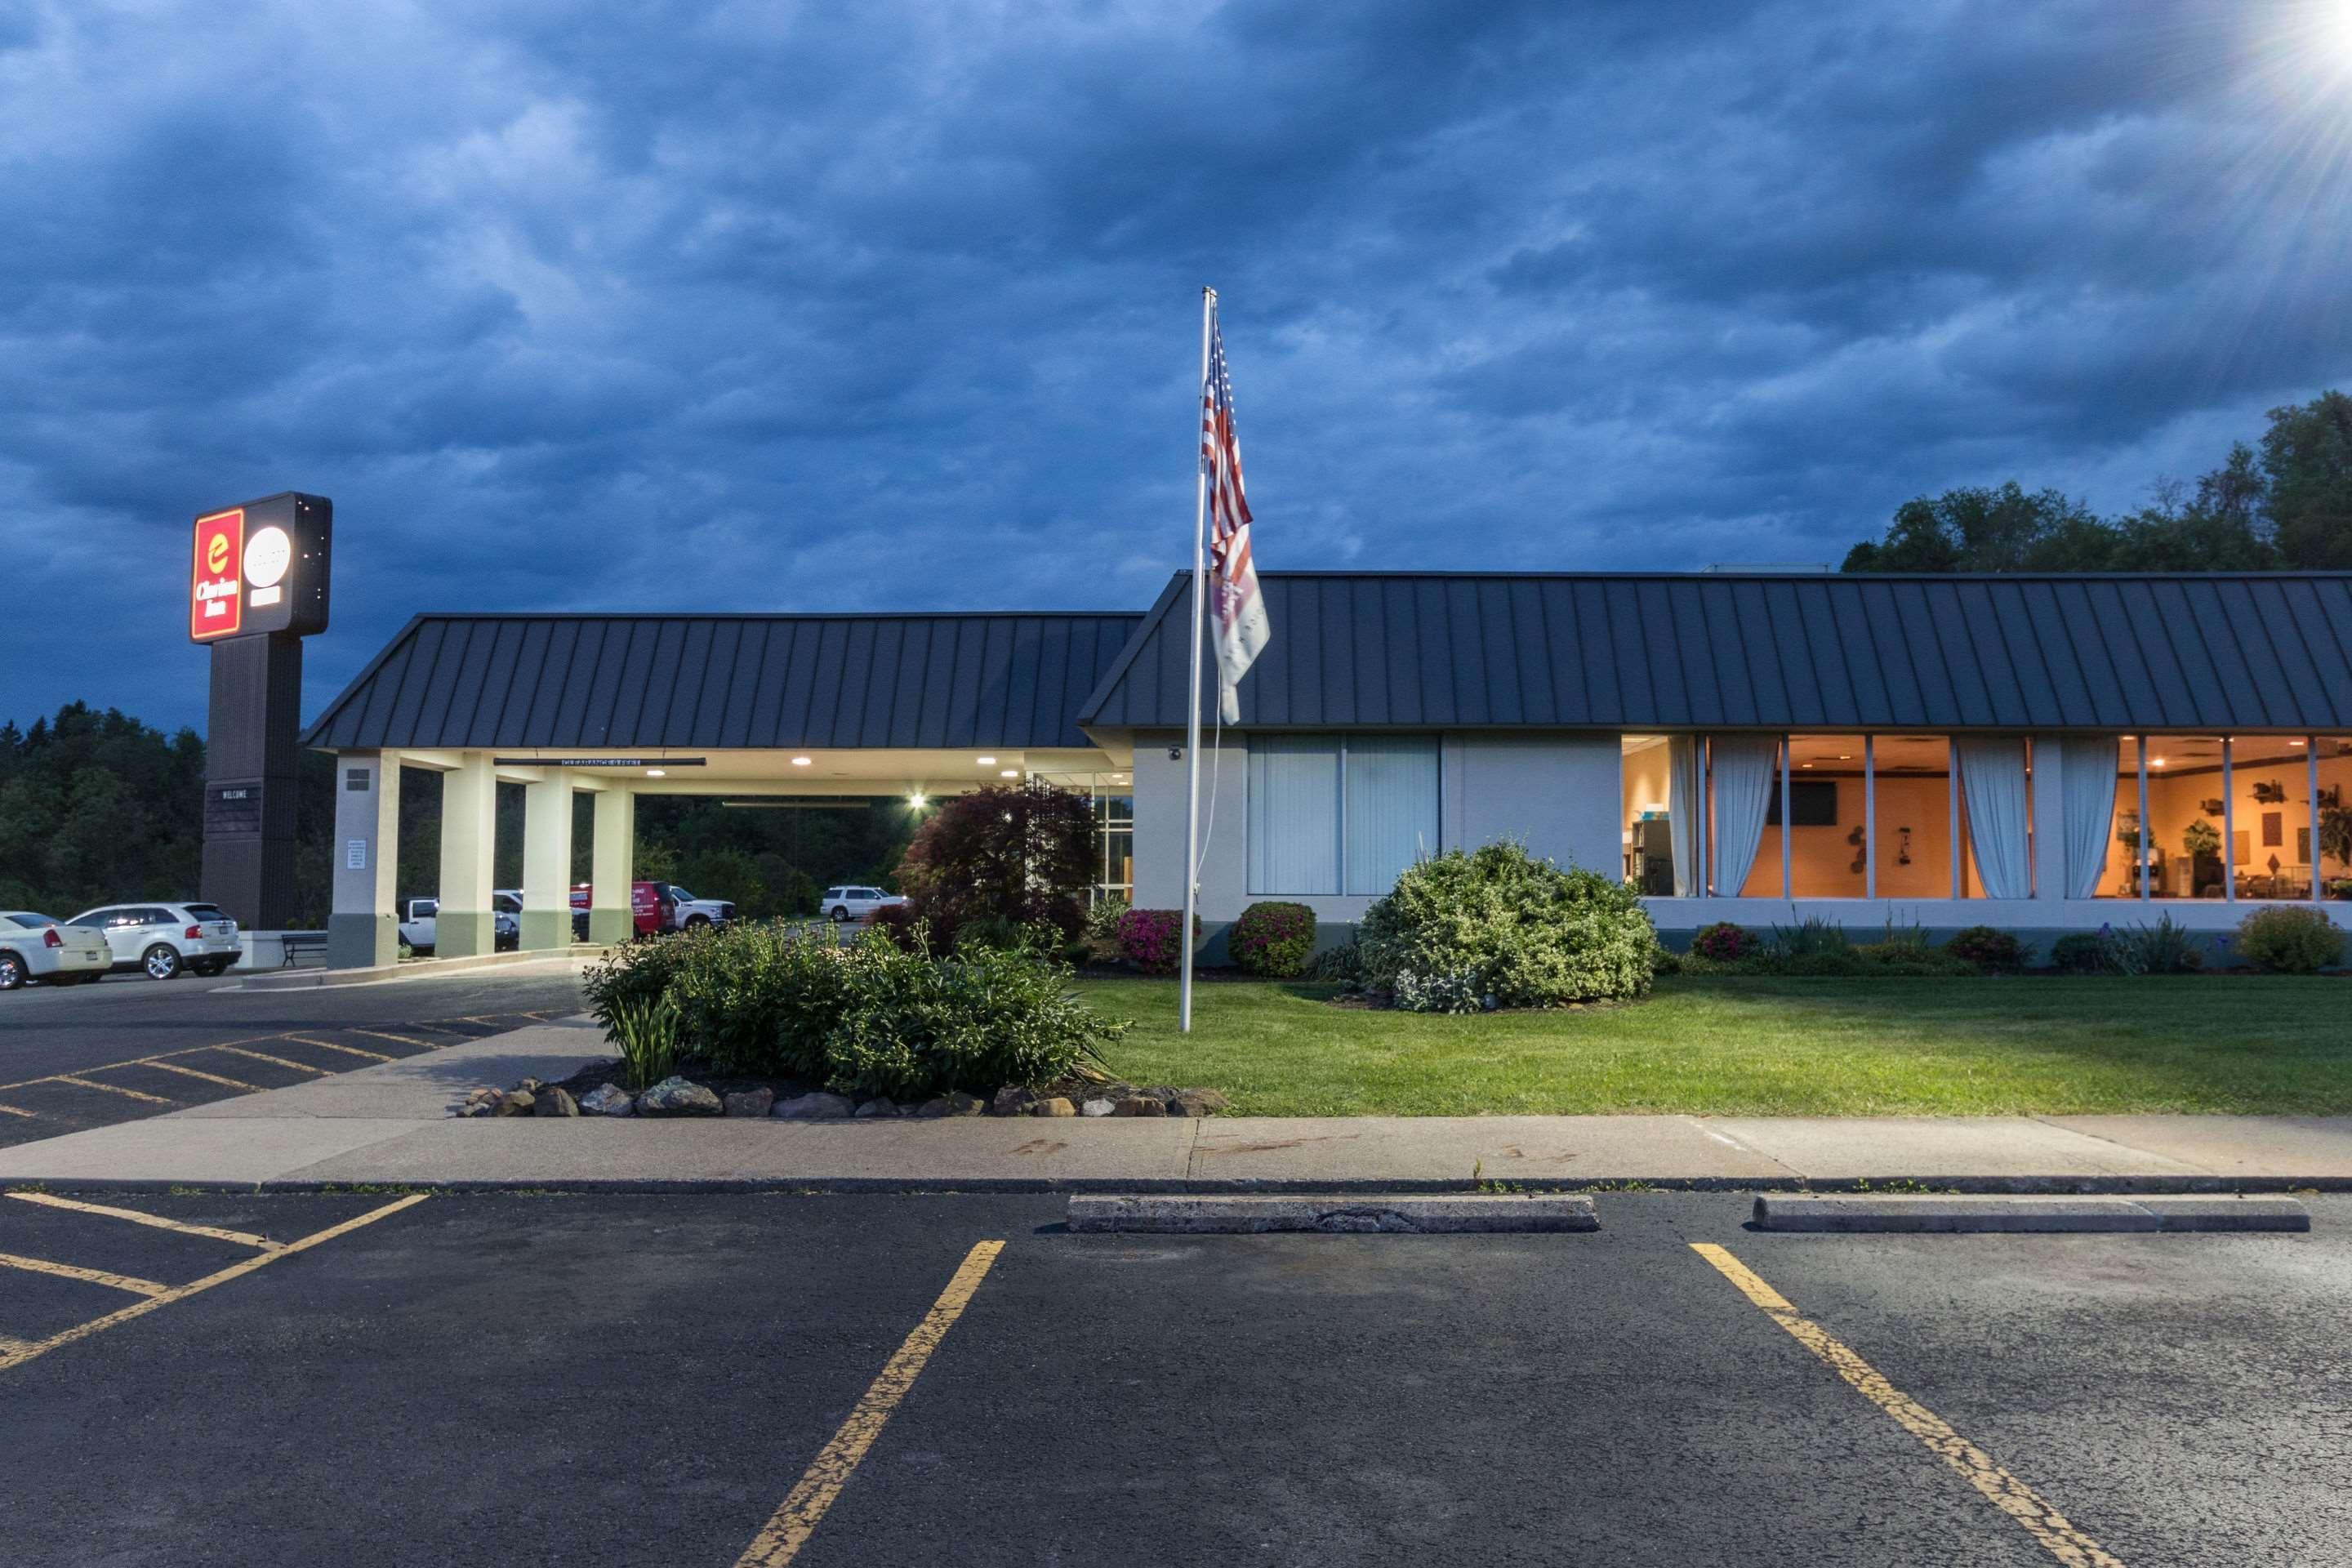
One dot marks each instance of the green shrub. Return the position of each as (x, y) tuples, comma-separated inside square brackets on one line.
[(1340, 965), (1723, 942), (1905, 957), (636, 972), (1664, 960), (757, 999), (1988, 948), (1102, 919), (1499, 923), (645, 1030), (1811, 940), (2289, 941), (2164, 948), (913, 1027), (1273, 939), (2084, 952)]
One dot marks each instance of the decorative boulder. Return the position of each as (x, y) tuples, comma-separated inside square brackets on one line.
[(880, 1105), (673, 1096), (557, 1101), (1197, 1103), (817, 1107), (1052, 1106), (954, 1102), (752, 1102), (1012, 1099), (1140, 1105), (608, 1099), (516, 1102), (1096, 1108)]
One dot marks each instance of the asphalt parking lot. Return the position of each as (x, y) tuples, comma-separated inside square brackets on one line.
[(90, 1056), (866, 1380)]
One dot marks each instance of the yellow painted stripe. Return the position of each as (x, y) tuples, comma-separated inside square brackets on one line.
[(397, 1039), (19, 1357), (137, 1287), (273, 1061), (2029, 1508), (137, 1216), (780, 1541), (330, 1046), (112, 1089), (161, 1065), (12, 1111)]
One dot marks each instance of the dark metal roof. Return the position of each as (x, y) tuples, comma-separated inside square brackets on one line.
[(2086, 651), (937, 681)]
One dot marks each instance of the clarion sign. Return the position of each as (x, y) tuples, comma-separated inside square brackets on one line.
[(216, 602)]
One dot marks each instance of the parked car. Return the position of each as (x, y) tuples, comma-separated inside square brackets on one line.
[(164, 939), (420, 918), (847, 903), (40, 947), (656, 907)]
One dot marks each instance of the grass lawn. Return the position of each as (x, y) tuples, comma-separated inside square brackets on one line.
[(1756, 1046)]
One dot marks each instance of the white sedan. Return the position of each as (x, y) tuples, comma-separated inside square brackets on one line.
[(40, 947)]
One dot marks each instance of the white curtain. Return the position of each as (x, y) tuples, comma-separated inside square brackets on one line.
[(1747, 772), (1294, 814), (2086, 774), (1685, 792), (1992, 782), (1391, 808)]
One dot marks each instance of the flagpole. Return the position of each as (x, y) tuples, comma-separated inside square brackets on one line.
[(1193, 709)]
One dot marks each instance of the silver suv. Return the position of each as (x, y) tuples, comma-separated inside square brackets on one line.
[(164, 939), (850, 903)]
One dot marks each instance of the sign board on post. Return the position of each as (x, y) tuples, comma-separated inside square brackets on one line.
[(217, 591), (262, 567)]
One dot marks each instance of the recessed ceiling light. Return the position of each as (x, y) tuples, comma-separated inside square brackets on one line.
[(656, 774), (800, 762), (985, 762), (1845, 756), (2294, 742), (2156, 762), (1808, 764), (1010, 773)]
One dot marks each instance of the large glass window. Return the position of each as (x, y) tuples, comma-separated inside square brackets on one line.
[(2336, 815), (1822, 847), (1340, 814), (1912, 816), (1648, 836)]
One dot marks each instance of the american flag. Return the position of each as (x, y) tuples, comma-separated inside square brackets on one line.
[(1236, 608)]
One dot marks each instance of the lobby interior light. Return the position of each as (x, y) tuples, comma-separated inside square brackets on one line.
[(985, 762), (656, 773), (916, 800), (1010, 773), (800, 762)]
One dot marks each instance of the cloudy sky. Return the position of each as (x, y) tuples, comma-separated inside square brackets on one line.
[(818, 306)]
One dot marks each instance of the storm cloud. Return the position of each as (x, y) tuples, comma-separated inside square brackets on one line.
[(818, 307)]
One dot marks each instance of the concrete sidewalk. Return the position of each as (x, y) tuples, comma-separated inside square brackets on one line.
[(393, 1124)]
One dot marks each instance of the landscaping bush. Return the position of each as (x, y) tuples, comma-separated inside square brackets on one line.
[(1152, 939), (2084, 952), (1273, 939), (634, 973), (912, 1027), (645, 1030), (1821, 943), (1497, 922), (910, 930), (2164, 948), (1988, 950), (1723, 943), (1022, 854), (1905, 957), (1340, 965), (2289, 941), (757, 999)]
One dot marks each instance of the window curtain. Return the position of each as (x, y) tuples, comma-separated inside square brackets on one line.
[(1686, 790), (1992, 782), (2086, 774), (1747, 772), (1391, 808), (1294, 814)]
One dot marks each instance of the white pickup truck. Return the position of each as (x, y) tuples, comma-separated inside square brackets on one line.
[(420, 918)]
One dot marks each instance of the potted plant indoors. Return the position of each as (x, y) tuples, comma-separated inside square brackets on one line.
[(2202, 840)]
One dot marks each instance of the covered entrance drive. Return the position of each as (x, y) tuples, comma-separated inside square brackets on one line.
[(752, 708)]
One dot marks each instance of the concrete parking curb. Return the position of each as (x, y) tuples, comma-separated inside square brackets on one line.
[(1880, 1214), (581, 953), (1181, 1214)]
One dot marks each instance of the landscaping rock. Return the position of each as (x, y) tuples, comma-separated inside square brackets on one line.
[(1138, 1105), (1096, 1108), (531, 1085), (556, 1101), (955, 1102), (752, 1102), (880, 1105), (515, 1102), (608, 1099), (673, 1096), (817, 1107), (1054, 1105), (1012, 1099), (1197, 1103)]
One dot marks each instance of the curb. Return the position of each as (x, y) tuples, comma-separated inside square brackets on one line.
[(1394, 1213), (1854, 1215), (2218, 1186), (413, 969)]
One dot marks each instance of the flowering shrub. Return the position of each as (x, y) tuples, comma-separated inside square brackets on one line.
[(1274, 939), (1499, 922), (1723, 943), (2289, 941), (1152, 939)]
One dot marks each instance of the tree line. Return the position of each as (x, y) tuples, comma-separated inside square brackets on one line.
[(2284, 505), (97, 808)]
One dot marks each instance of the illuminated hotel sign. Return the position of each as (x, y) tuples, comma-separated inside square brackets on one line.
[(261, 567)]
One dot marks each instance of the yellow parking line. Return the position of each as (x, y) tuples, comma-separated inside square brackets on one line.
[(87, 1276), (160, 1063), (137, 1216), (400, 1039), (19, 1357), (330, 1046), (2029, 1508), (781, 1539), (273, 1061), (112, 1087), (12, 1111)]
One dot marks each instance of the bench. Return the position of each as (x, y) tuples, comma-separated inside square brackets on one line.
[(295, 945)]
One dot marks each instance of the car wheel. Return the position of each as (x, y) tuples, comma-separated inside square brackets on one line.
[(840, 913), (161, 961), (12, 971), (694, 921)]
